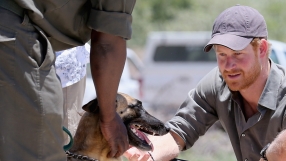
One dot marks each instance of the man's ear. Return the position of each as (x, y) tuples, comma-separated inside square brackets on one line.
[(263, 48)]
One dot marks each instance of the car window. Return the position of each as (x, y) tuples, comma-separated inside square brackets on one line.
[(273, 56), (183, 54)]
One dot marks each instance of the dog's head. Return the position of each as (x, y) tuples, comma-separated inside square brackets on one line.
[(136, 119)]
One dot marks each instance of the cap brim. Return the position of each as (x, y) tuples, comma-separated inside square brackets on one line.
[(233, 42)]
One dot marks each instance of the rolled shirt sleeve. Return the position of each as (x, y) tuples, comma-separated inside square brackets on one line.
[(197, 113), (112, 17)]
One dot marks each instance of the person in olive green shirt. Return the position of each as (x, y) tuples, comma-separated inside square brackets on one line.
[(31, 108), (245, 93)]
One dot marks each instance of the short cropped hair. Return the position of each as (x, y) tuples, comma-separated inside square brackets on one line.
[(256, 42)]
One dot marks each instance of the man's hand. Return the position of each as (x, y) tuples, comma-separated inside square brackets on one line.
[(116, 135)]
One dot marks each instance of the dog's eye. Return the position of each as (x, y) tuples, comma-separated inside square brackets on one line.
[(139, 103), (121, 112)]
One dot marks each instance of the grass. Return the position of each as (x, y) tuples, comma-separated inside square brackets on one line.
[(213, 146)]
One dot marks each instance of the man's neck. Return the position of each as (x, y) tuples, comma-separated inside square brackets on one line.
[(249, 109), (252, 94)]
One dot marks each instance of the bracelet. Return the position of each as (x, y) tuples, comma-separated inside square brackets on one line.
[(263, 152), (151, 156)]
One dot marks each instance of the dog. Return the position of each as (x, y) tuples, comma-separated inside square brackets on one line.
[(89, 143)]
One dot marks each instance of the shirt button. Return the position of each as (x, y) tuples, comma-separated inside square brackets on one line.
[(243, 135)]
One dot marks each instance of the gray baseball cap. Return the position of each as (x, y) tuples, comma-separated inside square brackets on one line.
[(236, 27)]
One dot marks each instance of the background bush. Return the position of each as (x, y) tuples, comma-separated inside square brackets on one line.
[(195, 15)]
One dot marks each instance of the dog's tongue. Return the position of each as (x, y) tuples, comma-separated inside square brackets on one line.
[(141, 135)]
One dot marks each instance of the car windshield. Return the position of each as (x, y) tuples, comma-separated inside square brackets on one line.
[(183, 54)]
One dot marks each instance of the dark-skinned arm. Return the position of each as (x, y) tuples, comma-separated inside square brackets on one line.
[(107, 59)]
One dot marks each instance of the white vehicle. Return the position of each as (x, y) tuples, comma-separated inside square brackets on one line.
[(278, 52), (130, 82), (175, 62)]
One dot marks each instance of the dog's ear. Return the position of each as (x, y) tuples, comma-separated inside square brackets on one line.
[(91, 106), (80, 113)]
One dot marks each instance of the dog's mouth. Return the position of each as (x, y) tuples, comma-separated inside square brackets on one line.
[(140, 131), (137, 136)]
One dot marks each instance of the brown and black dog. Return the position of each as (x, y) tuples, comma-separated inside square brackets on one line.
[(89, 142)]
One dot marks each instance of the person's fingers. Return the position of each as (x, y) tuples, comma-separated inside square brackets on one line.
[(116, 135), (112, 153), (113, 149), (137, 157), (145, 157), (127, 154), (119, 153), (134, 157), (134, 154), (124, 145)]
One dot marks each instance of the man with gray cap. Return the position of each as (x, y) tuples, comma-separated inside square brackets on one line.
[(246, 92)]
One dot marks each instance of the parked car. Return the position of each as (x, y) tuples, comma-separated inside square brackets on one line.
[(175, 62), (278, 52), (130, 82)]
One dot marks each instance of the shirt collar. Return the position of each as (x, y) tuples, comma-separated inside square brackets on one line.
[(269, 95)]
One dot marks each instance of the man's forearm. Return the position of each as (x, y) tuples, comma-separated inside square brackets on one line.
[(165, 147), (107, 58)]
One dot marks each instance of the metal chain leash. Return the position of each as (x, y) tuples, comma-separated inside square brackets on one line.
[(81, 157)]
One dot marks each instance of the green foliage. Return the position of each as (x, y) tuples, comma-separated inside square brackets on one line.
[(161, 11), (154, 15), (193, 15)]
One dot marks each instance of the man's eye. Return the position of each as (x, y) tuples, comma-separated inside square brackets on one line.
[(221, 54)]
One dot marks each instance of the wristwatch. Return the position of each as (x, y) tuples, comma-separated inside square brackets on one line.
[(263, 152)]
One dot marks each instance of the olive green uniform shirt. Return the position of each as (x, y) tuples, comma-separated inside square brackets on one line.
[(31, 112), (212, 100), (68, 23)]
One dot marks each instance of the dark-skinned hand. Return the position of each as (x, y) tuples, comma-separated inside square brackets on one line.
[(114, 131)]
